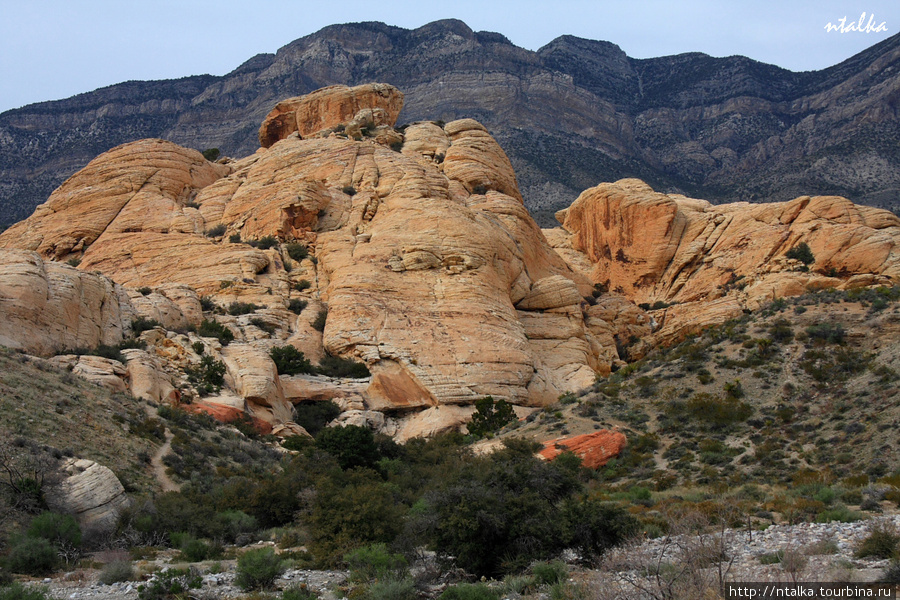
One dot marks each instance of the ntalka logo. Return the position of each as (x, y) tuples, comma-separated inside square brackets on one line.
[(869, 27)]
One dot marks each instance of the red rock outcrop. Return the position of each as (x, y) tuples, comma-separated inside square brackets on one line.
[(594, 449)]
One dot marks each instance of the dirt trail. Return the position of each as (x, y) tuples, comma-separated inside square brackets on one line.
[(159, 469)]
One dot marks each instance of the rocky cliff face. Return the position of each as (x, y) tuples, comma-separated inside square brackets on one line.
[(569, 115), (409, 250)]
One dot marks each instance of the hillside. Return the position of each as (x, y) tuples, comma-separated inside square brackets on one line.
[(570, 115)]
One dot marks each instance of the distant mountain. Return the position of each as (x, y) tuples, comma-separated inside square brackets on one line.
[(572, 114)]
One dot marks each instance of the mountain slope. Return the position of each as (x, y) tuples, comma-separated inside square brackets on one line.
[(570, 115)]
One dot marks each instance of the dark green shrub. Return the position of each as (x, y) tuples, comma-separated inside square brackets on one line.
[(392, 589), (60, 530), (233, 524), (216, 330), (211, 154), (262, 325), (290, 361), (883, 541), (217, 231), (335, 366), (296, 305), (470, 591), (349, 190), (258, 568), (170, 584), (234, 238), (298, 592), (145, 291), (319, 322), (548, 573), (198, 347), (734, 389), (296, 251), (16, 591), (490, 416), (31, 556), (802, 253), (141, 324), (264, 243), (303, 284), (352, 446), (194, 550), (242, 308), (375, 561), (314, 416), (74, 262), (116, 571), (209, 376), (207, 304), (826, 333)]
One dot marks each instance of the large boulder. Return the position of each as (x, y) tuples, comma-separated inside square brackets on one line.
[(91, 493)]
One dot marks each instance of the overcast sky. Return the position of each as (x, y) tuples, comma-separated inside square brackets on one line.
[(51, 49)]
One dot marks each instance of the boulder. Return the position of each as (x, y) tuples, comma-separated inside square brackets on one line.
[(594, 449), (91, 493)]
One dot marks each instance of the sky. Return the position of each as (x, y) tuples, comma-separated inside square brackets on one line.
[(53, 49)]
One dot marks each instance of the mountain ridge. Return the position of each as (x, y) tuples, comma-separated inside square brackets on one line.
[(571, 114)]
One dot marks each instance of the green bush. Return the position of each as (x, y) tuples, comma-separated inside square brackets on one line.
[(335, 366), (802, 253), (216, 330), (302, 285), (264, 243), (548, 573), (296, 305), (234, 523), (290, 361), (470, 591), (194, 550), (211, 154), (217, 231), (258, 568), (16, 591), (198, 347), (353, 446), (374, 561), (392, 589), (319, 322), (170, 584), (883, 541), (297, 251), (349, 190), (242, 308), (31, 556), (209, 376), (116, 571), (60, 530), (490, 416), (144, 291), (314, 416), (262, 325), (298, 592), (207, 304)]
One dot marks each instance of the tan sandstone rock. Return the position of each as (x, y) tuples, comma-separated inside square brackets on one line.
[(92, 494)]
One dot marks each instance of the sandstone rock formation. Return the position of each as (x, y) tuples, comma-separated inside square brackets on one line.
[(594, 449), (713, 261), (92, 494), (47, 306)]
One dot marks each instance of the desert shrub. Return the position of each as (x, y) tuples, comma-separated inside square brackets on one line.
[(234, 238), (60, 530), (264, 243), (734, 389), (802, 253), (170, 584), (349, 190), (303, 284), (296, 305), (141, 324), (781, 331), (335, 366), (890, 575), (242, 308), (296, 251), (470, 591), (710, 410), (211, 154), (290, 361), (194, 550), (826, 333), (198, 347), (352, 446), (31, 556), (314, 416), (258, 568), (392, 589), (216, 330), (490, 416), (352, 509), (234, 523), (883, 541), (209, 376), (375, 561), (319, 322), (144, 291), (207, 304), (262, 325), (74, 262), (116, 571), (548, 573), (298, 592), (771, 558), (217, 231), (16, 591)]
